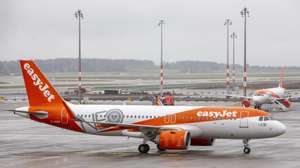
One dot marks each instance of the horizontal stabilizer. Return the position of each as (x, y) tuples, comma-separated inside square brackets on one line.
[(38, 114)]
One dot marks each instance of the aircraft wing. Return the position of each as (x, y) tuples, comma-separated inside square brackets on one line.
[(108, 126), (128, 126)]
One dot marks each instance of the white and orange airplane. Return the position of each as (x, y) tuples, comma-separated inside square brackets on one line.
[(169, 127), (274, 95)]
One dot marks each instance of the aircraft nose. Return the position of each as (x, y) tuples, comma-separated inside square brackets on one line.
[(281, 128)]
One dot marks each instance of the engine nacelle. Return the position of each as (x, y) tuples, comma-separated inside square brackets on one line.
[(246, 103), (202, 141), (174, 139), (286, 103)]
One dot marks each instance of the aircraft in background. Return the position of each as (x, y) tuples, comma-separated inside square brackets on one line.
[(169, 127), (274, 95)]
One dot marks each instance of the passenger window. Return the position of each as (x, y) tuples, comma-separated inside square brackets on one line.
[(261, 118), (266, 118)]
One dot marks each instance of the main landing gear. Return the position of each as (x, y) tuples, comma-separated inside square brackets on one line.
[(144, 148), (247, 149)]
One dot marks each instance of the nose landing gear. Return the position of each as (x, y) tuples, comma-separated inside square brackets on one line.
[(247, 149)]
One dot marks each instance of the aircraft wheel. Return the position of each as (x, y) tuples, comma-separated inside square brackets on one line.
[(159, 148), (247, 150), (144, 148)]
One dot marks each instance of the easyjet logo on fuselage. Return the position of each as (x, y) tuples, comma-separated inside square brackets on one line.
[(217, 114), (44, 88)]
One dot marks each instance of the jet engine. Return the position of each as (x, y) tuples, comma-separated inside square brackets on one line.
[(246, 102), (173, 139), (286, 103), (202, 141)]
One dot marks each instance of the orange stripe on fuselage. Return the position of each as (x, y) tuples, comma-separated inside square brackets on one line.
[(203, 115)]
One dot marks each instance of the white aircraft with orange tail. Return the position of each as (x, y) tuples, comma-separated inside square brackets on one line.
[(274, 95), (170, 127)]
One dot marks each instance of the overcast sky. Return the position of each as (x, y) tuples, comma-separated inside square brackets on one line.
[(127, 29)]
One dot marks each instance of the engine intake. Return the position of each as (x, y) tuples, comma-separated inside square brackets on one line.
[(174, 139), (286, 103)]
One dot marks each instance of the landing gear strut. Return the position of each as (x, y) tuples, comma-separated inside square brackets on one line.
[(247, 149), (159, 148), (144, 148)]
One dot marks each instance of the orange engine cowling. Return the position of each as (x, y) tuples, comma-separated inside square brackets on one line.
[(202, 141), (246, 103), (174, 139), (286, 103)]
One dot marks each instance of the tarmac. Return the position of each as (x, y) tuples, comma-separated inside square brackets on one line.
[(24, 143)]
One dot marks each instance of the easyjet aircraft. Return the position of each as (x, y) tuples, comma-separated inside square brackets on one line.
[(274, 95), (170, 127)]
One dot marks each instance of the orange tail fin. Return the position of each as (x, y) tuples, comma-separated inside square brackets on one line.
[(43, 97), (39, 90)]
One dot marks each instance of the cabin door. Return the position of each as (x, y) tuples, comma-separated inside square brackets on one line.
[(244, 119)]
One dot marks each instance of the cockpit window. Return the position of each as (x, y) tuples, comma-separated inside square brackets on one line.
[(265, 118)]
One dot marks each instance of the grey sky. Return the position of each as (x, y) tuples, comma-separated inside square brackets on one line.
[(127, 29)]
